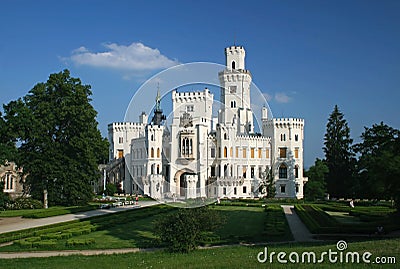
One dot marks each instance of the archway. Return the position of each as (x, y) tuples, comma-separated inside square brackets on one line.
[(180, 181)]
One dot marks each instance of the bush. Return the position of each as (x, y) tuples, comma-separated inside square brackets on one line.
[(182, 231), (80, 242), (25, 203)]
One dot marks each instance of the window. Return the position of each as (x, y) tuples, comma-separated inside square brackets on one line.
[(296, 171), (282, 171), (213, 171), (186, 146), (237, 152), (219, 152), (297, 188), (120, 154), (296, 137), (225, 136), (231, 152), (233, 104), (282, 152), (283, 137), (152, 137), (244, 172), (260, 153), (152, 153), (244, 152), (224, 191), (158, 169), (225, 152), (234, 191), (252, 172), (212, 152), (121, 140), (233, 64), (267, 153), (158, 152), (252, 153), (296, 153), (283, 188), (190, 108), (244, 189)]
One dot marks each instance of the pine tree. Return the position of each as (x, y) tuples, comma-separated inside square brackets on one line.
[(339, 156)]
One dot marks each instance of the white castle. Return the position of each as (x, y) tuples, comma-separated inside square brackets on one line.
[(201, 155)]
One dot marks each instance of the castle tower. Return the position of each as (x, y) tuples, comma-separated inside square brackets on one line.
[(287, 135), (235, 83)]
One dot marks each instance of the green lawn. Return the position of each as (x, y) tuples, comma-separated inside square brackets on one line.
[(225, 257), (49, 212), (134, 228)]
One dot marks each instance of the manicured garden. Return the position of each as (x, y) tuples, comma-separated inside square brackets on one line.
[(338, 218), (135, 228)]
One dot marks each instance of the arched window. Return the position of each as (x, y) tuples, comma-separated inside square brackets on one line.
[(152, 137), (225, 136), (158, 169), (158, 152), (233, 104), (152, 153), (233, 64), (152, 168), (283, 171), (225, 152)]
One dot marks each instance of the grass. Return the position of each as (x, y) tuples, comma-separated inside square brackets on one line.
[(338, 218), (134, 228), (49, 212), (225, 257)]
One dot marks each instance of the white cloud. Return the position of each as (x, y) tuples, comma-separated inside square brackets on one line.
[(282, 97), (136, 57)]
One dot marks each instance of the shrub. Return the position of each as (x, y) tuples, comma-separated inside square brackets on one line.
[(24, 203), (80, 242), (183, 230)]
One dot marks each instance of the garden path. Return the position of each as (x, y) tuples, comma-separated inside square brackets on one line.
[(16, 224), (299, 230)]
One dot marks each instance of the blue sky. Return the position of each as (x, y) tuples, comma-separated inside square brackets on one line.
[(306, 56)]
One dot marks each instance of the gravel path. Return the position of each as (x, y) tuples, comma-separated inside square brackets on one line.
[(299, 230)]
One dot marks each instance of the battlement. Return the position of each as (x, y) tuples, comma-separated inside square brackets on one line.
[(122, 126), (183, 97), (235, 50), (285, 122), (254, 138)]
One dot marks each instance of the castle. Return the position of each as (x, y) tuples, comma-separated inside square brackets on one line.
[(205, 155)]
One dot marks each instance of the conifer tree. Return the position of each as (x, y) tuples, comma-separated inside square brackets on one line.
[(339, 156)]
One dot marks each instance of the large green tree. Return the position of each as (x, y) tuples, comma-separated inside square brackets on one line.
[(316, 185), (8, 149), (379, 162), (339, 155), (60, 145)]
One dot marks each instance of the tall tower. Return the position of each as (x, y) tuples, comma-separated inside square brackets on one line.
[(235, 83)]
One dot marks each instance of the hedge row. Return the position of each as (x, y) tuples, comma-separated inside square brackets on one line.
[(315, 218), (275, 221), (80, 242)]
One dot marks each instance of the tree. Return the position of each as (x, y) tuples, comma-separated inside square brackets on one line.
[(339, 156), (60, 144), (379, 162), (111, 189), (181, 231), (8, 149), (316, 185)]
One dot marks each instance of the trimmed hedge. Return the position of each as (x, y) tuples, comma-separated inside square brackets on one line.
[(80, 242)]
